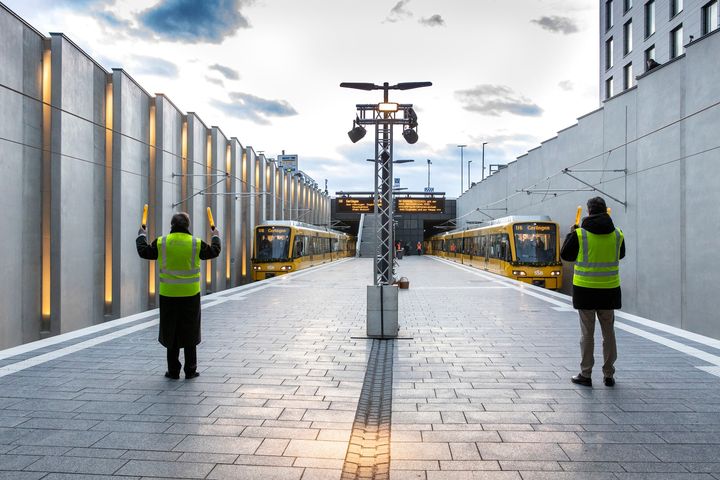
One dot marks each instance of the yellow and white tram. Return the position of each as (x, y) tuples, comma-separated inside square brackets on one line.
[(286, 246), (526, 248)]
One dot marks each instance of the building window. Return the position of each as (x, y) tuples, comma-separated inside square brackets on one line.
[(649, 18), (608, 53), (627, 38), (650, 55), (627, 5), (609, 88), (676, 7), (676, 42), (609, 20), (710, 17), (627, 76)]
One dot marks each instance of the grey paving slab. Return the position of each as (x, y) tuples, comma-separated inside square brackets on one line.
[(481, 390)]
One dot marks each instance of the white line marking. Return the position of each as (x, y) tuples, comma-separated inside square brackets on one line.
[(562, 306), (29, 347), (215, 299), (40, 359)]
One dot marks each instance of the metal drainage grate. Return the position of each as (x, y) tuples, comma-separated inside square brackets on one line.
[(368, 454)]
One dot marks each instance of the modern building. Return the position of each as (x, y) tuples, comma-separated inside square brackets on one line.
[(632, 32), (82, 149)]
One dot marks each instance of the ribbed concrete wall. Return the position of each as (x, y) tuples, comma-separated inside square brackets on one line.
[(665, 133), (76, 172)]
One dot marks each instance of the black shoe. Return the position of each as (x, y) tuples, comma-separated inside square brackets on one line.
[(189, 376), (174, 376), (580, 379), (609, 381)]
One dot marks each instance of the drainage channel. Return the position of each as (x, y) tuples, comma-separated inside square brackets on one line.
[(368, 454)]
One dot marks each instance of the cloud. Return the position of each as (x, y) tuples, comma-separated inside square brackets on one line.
[(154, 66), (192, 21), (567, 85), (216, 81), (495, 100), (399, 12), (226, 72), (432, 21), (250, 107), (564, 25)]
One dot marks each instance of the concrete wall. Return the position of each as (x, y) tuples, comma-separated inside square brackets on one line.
[(75, 173), (664, 132), (21, 179)]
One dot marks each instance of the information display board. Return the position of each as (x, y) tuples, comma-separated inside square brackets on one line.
[(420, 205), (355, 205)]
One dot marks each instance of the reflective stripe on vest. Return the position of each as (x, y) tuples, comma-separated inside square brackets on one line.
[(598, 262), (179, 265)]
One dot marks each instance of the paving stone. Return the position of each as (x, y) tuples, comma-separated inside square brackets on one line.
[(242, 472), (200, 444), (76, 465), (166, 469), (139, 441)]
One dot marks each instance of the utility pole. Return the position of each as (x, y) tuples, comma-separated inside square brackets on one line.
[(483, 160), (462, 167), (429, 163)]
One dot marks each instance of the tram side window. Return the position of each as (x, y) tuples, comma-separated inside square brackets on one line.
[(500, 246), (299, 249)]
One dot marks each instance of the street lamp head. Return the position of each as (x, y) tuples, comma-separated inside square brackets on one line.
[(410, 136), (357, 133)]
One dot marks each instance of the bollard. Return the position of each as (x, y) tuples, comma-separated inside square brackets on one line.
[(403, 283)]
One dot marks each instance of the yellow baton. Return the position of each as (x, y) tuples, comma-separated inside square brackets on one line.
[(144, 217), (578, 215), (210, 219), (609, 211)]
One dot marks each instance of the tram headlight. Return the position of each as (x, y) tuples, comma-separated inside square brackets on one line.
[(286, 267), (255, 267), (555, 273), (519, 273)]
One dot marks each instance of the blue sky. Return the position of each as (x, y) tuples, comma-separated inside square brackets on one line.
[(268, 72)]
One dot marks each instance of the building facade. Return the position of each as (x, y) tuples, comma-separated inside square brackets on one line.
[(632, 32), (82, 149)]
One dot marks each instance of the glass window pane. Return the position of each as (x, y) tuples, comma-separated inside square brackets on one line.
[(649, 18)]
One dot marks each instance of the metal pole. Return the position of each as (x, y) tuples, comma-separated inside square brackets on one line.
[(469, 162), (462, 167), (428, 160), (483, 161)]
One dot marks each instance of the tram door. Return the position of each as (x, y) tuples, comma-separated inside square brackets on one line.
[(486, 250)]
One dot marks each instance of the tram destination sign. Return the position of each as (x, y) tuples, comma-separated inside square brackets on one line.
[(355, 205), (420, 205)]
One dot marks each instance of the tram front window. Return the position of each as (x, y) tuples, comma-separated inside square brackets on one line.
[(535, 242), (272, 244)]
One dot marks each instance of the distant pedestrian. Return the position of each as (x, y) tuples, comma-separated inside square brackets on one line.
[(596, 247), (178, 255), (419, 248)]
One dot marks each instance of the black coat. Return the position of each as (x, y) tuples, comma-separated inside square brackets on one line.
[(179, 316), (585, 298)]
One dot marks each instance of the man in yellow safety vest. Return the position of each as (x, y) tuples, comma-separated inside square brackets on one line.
[(178, 255), (596, 247)]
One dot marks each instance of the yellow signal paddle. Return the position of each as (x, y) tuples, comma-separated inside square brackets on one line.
[(210, 219), (578, 215), (144, 216)]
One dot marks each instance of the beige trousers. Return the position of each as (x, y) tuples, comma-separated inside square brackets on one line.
[(587, 341)]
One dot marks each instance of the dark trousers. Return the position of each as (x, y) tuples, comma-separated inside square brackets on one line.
[(173, 360)]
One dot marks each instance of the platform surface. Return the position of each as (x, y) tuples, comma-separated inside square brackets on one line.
[(480, 389)]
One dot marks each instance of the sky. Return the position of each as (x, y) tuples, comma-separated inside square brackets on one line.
[(509, 73)]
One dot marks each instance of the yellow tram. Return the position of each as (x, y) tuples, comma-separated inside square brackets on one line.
[(526, 248), (287, 246)]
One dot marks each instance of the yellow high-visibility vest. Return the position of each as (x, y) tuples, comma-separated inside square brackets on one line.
[(598, 260), (179, 261)]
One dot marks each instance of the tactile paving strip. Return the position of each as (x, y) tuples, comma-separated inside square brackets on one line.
[(368, 454)]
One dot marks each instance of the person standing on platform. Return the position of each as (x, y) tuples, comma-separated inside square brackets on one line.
[(419, 248), (178, 255), (596, 247)]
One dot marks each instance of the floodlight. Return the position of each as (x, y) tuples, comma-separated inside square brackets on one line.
[(387, 107), (357, 133), (410, 135)]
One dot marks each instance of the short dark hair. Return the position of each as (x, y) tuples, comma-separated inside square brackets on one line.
[(596, 205), (180, 220)]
